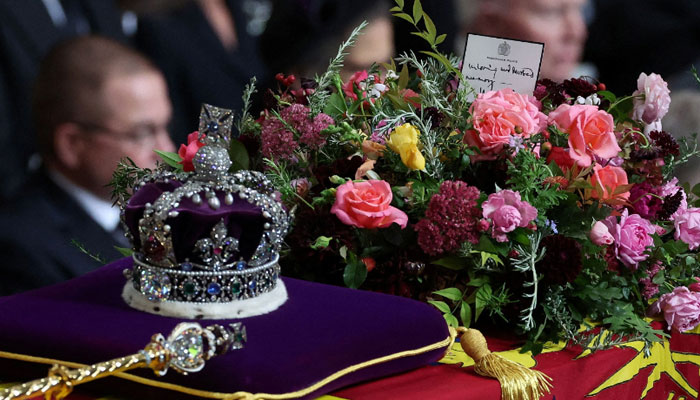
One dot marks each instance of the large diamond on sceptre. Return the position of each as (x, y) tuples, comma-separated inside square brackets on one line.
[(186, 350)]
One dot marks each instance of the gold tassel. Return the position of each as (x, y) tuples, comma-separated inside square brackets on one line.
[(517, 382)]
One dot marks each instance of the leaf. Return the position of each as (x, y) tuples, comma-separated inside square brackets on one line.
[(403, 78), (485, 257), (451, 320), (442, 60), (430, 27), (424, 35), (454, 263), (125, 251), (395, 9), (321, 242), (417, 11), (170, 158), (623, 189), (483, 297), (520, 236), (405, 17), (336, 106), (580, 184), (343, 252), (440, 39), (400, 3), (440, 305), (355, 274), (453, 294), (465, 314), (608, 95), (239, 156), (485, 244)]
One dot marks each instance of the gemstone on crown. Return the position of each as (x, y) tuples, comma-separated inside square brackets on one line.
[(194, 233)]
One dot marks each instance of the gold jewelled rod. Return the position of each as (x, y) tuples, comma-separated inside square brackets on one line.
[(185, 350)]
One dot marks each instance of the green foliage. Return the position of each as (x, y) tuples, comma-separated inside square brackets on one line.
[(170, 158), (239, 156), (124, 178), (527, 175), (355, 271), (427, 33), (320, 97)]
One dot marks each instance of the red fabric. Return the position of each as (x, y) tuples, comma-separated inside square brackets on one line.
[(671, 372)]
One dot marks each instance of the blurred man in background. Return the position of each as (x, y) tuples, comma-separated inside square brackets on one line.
[(28, 29), (95, 102)]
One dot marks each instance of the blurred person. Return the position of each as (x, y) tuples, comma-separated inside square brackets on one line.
[(559, 24), (207, 53), (302, 36), (95, 102), (28, 29)]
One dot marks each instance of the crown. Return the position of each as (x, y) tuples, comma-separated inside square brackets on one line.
[(204, 237)]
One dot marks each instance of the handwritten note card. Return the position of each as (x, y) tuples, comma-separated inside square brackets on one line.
[(493, 63)]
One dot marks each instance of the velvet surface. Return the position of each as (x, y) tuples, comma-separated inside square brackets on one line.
[(243, 220), (320, 330)]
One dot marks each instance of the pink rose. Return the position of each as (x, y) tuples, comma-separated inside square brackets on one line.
[(681, 308), (687, 224), (652, 98), (507, 212), (605, 182), (366, 205), (632, 236), (591, 132), (498, 115), (600, 235), (187, 152)]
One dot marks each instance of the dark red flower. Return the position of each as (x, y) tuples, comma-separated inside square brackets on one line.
[(562, 259), (578, 87), (451, 219)]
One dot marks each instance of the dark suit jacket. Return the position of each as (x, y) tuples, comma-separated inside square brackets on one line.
[(36, 233), (26, 35), (196, 65)]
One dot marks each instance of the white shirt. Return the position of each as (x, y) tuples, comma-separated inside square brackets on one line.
[(101, 211)]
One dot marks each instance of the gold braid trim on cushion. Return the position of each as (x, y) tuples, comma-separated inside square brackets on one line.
[(446, 344)]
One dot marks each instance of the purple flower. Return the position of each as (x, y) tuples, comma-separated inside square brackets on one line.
[(681, 308), (277, 141), (646, 200), (652, 99), (632, 236), (687, 224), (507, 212)]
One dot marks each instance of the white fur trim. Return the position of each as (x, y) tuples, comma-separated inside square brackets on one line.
[(262, 304)]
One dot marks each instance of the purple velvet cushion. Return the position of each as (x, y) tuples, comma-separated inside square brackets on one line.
[(320, 330), (244, 221)]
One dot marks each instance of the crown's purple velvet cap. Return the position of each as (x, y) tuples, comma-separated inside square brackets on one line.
[(320, 330), (243, 220)]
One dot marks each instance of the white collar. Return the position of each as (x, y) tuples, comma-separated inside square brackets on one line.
[(100, 210), (56, 12)]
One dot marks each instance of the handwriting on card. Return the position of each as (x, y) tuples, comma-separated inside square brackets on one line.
[(492, 63)]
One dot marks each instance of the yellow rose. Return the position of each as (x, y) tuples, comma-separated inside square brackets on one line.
[(404, 140)]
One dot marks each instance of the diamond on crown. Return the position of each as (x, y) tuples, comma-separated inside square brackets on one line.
[(216, 271)]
